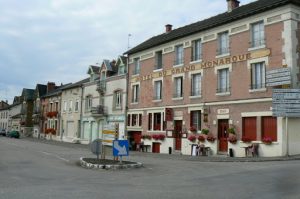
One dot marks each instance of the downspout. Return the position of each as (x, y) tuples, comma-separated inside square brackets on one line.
[(126, 99), (81, 112)]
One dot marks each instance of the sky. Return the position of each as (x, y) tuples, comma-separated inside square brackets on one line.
[(56, 40)]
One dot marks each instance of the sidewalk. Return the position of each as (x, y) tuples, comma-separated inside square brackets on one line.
[(217, 158)]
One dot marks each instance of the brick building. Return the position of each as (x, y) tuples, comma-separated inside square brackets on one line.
[(211, 76)]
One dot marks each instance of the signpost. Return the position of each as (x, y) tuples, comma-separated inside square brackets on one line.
[(286, 103), (278, 77)]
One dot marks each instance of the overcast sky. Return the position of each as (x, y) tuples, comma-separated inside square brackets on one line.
[(56, 40)]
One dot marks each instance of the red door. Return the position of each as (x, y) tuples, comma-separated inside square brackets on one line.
[(155, 147), (178, 130), (223, 135)]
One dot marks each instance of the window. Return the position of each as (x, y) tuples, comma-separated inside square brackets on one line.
[(257, 34), (223, 80), (88, 103), (269, 127), (158, 60), (197, 50), (157, 121), (65, 106), (135, 93), (70, 106), (137, 66), (77, 105), (150, 121), (140, 119), (121, 69), (157, 90), (134, 120), (258, 75), (196, 85), (179, 55), (249, 128), (195, 120), (128, 120), (223, 40), (118, 100), (51, 107), (56, 106), (178, 87)]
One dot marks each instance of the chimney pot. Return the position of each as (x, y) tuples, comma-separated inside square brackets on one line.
[(168, 28), (232, 4)]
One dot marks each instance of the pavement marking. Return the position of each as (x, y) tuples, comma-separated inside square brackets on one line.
[(54, 155)]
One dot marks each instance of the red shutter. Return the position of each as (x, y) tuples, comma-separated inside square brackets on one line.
[(249, 127), (269, 127)]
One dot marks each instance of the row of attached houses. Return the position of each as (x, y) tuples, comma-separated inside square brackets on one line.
[(209, 76)]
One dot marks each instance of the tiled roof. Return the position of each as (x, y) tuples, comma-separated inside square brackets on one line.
[(57, 91), (95, 68), (42, 89), (76, 84), (221, 19), (28, 94)]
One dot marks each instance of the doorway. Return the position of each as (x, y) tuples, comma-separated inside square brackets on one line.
[(178, 134), (223, 135)]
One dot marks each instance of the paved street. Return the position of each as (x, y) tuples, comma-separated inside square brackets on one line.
[(32, 170)]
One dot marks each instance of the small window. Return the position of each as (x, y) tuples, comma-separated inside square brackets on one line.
[(157, 121), (197, 50), (179, 55), (257, 34), (196, 84), (137, 66), (157, 90), (118, 100), (135, 93), (65, 106), (223, 41), (195, 121), (128, 120), (77, 105), (134, 120), (150, 121), (70, 106), (258, 76), (249, 128), (158, 60), (269, 127), (223, 80), (178, 87), (140, 119)]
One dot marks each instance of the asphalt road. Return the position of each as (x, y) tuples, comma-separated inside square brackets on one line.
[(30, 170)]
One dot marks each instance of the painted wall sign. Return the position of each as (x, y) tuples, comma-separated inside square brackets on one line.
[(203, 65), (223, 111)]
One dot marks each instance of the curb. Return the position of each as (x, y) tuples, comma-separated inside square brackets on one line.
[(87, 165)]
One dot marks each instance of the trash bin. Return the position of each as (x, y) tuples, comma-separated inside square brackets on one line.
[(170, 150), (230, 152)]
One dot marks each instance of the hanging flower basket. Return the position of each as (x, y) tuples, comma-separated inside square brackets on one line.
[(192, 138)]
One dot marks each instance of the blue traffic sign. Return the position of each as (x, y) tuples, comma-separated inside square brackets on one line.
[(120, 148)]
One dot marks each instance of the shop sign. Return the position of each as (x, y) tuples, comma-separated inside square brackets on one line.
[(223, 111), (278, 77), (116, 118), (286, 102), (203, 65)]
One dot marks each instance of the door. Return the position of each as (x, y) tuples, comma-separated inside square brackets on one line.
[(70, 129), (223, 135), (178, 135), (86, 130), (155, 147)]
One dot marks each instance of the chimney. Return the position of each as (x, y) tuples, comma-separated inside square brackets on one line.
[(232, 4), (168, 28), (50, 86)]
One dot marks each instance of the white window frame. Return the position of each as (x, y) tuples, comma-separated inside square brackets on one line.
[(157, 95), (257, 35), (179, 55), (193, 93), (223, 89), (176, 93), (223, 44), (137, 66), (197, 50), (135, 93)]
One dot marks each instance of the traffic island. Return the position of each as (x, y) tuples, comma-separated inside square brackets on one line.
[(94, 163)]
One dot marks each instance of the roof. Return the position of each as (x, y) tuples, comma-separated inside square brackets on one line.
[(124, 60), (28, 94), (221, 19), (57, 91), (76, 84), (93, 69), (41, 89)]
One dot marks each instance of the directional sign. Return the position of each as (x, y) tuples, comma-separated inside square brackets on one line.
[(120, 148), (286, 102), (277, 77)]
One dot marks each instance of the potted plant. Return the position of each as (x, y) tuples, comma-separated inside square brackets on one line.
[(231, 130), (193, 129), (267, 140), (232, 139), (158, 136), (201, 138), (192, 138), (205, 131), (210, 137), (246, 139), (147, 137)]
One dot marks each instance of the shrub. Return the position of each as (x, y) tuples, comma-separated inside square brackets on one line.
[(231, 130)]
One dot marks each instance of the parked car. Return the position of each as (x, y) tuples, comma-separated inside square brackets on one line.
[(3, 132), (14, 134)]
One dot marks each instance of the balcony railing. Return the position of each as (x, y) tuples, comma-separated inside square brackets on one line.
[(101, 86), (99, 110)]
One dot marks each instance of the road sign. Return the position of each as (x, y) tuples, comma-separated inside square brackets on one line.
[(120, 148), (286, 102), (277, 77), (108, 134), (96, 147)]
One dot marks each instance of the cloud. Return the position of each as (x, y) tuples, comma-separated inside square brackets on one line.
[(56, 40)]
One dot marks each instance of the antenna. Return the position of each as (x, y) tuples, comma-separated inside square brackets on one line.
[(129, 35)]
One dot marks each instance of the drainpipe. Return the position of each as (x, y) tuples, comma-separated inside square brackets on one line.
[(126, 99), (81, 112)]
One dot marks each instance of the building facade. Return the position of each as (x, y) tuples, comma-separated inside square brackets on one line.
[(210, 76), (14, 116), (4, 115), (37, 119)]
